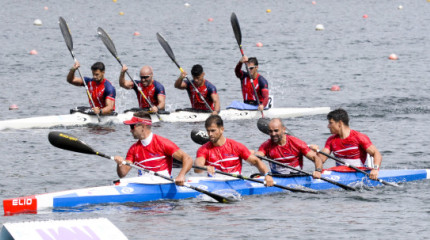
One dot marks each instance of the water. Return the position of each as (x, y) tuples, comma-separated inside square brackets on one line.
[(388, 100)]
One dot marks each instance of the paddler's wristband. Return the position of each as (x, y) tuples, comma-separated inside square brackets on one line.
[(318, 169), (266, 174)]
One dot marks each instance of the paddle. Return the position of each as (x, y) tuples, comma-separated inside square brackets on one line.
[(111, 47), (258, 181), (263, 126), (72, 143), (169, 52), (238, 34), (69, 42), (346, 187), (201, 137), (357, 169)]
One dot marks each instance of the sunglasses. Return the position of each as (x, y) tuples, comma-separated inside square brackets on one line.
[(250, 68), (145, 77), (133, 125)]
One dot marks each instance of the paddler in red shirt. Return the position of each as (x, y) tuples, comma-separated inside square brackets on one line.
[(151, 151), (206, 89), (225, 154), (349, 145), (287, 150), (260, 83), (102, 91)]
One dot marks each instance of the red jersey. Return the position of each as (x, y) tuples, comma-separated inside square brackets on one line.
[(351, 149), (206, 90), (261, 87), (291, 153), (226, 158), (151, 92), (156, 156), (100, 91)]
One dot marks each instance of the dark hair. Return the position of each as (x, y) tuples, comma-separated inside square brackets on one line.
[(98, 66), (253, 60), (197, 70), (214, 119), (339, 115), (144, 115)]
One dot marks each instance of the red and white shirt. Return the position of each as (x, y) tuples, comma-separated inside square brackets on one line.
[(351, 149), (291, 153), (226, 158), (155, 153), (151, 92)]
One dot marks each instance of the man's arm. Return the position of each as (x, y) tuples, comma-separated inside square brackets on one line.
[(215, 99), (179, 83), (127, 84), (121, 170), (377, 160), (187, 162), (77, 81), (318, 163), (252, 159)]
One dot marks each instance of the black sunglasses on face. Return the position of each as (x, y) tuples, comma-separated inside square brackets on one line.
[(250, 68), (132, 126), (145, 77)]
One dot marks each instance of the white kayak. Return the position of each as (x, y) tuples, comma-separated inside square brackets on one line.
[(81, 119)]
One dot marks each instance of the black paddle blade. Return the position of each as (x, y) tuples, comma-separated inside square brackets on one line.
[(236, 28), (107, 41), (69, 142), (66, 33), (263, 125), (166, 47), (199, 136)]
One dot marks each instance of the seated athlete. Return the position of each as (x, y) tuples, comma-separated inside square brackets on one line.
[(207, 90), (101, 90), (287, 150), (151, 151), (349, 145), (260, 83), (225, 154), (153, 90)]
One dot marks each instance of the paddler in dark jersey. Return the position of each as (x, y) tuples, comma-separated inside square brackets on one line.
[(260, 83), (153, 90), (101, 90), (207, 89)]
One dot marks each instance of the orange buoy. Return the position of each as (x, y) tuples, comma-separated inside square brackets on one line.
[(136, 33), (365, 16), (33, 52), (13, 107), (210, 19), (259, 44), (335, 88), (393, 57)]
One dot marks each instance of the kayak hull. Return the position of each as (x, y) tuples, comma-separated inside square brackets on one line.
[(151, 188), (81, 119)]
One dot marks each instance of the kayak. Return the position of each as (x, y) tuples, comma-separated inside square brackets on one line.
[(77, 118), (152, 188)]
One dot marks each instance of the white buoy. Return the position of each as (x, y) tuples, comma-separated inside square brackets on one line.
[(186, 4), (400, 7), (319, 27), (37, 22)]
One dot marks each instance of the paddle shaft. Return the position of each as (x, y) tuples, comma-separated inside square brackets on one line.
[(165, 45), (69, 43), (217, 197), (357, 169), (258, 181), (238, 35), (346, 187)]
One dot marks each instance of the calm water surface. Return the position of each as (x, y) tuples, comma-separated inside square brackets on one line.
[(388, 100)]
